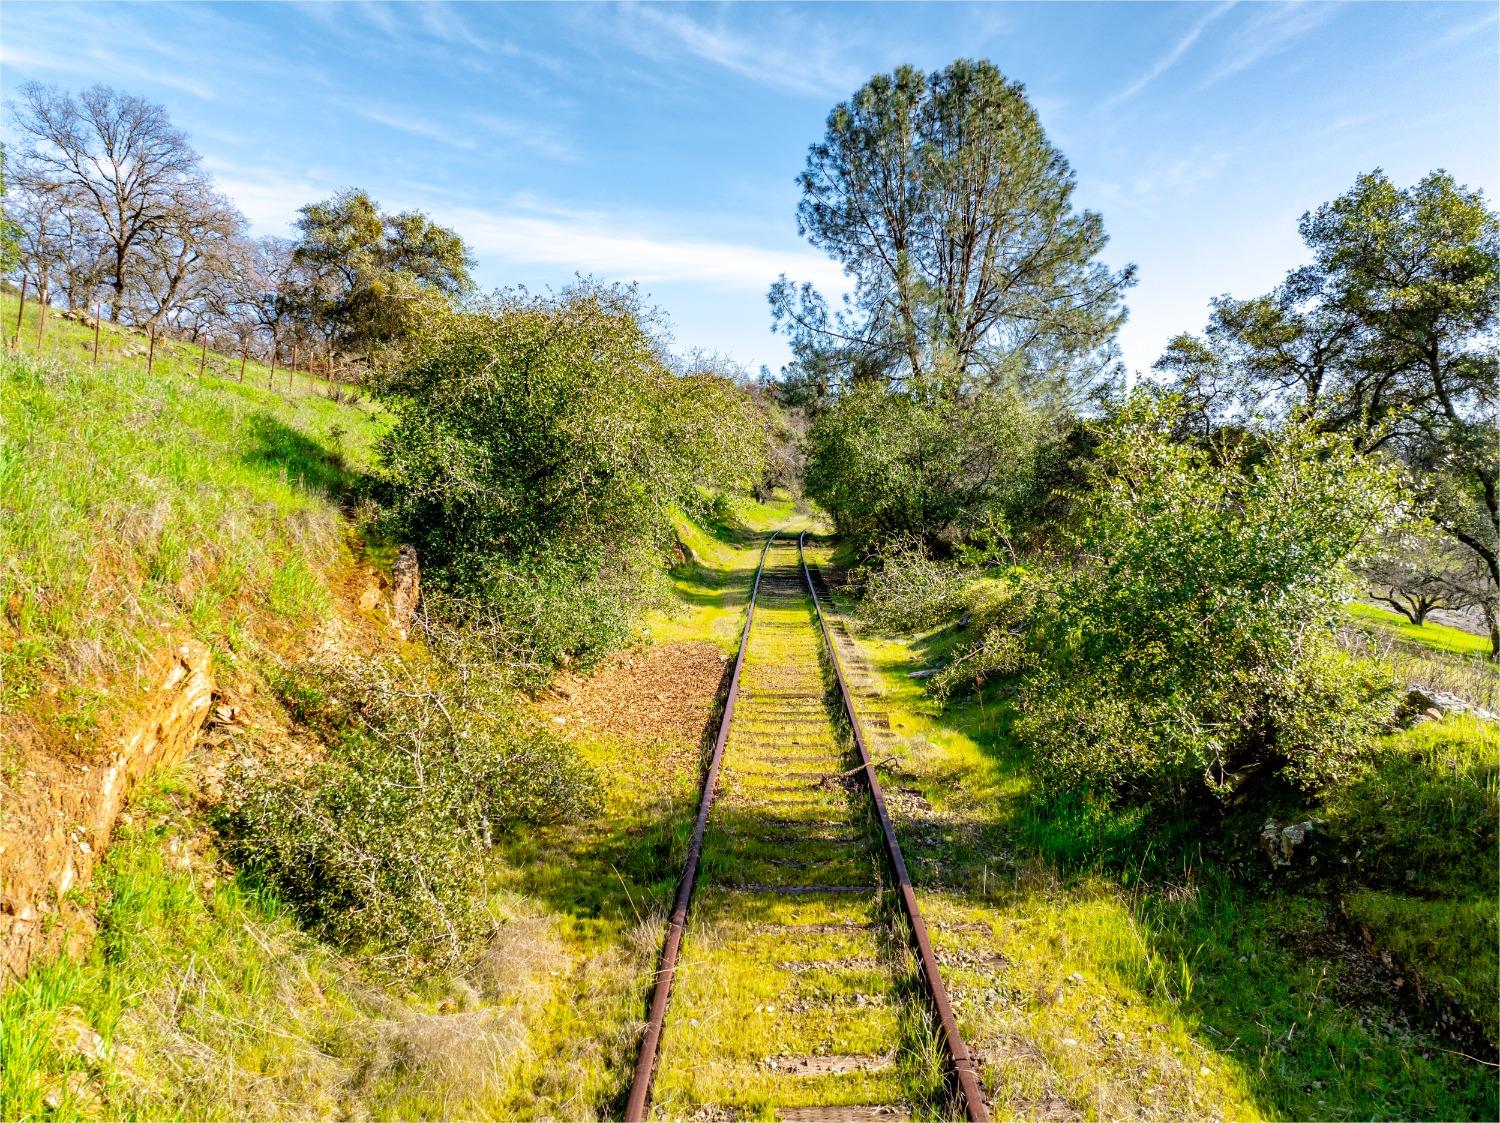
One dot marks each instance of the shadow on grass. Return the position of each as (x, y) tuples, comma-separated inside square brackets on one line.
[(277, 447)]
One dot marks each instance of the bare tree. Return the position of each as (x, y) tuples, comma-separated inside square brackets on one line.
[(115, 154), (1419, 573), (185, 256)]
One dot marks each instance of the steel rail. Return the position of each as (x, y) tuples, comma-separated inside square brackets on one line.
[(645, 1068), (953, 1042)]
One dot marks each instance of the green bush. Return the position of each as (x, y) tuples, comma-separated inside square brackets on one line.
[(909, 591), (381, 843), (930, 461), (540, 447), (1190, 639)]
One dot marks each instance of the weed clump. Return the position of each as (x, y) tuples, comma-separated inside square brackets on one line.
[(381, 844)]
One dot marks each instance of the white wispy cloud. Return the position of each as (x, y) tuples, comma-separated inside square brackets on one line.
[(543, 139), (471, 131), (268, 200), (443, 21), (526, 232), (97, 63), (1178, 49), (795, 56), (417, 125), (1272, 29), (623, 247)]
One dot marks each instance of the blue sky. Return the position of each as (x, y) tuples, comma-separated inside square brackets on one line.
[(661, 143)]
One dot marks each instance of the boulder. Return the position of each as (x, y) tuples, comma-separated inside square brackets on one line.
[(1423, 704), (1280, 841), (406, 589)]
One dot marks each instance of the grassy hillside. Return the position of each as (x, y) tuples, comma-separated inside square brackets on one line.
[(139, 508), (145, 507), (1439, 637)]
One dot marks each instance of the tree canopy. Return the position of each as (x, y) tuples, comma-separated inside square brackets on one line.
[(365, 272), (952, 212), (1389, 336)]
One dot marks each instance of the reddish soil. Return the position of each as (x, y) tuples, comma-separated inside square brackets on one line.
[(659, 694)]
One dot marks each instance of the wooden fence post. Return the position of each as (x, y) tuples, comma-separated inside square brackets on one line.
[(330, 372), (15, 341), (271, 378), (244, 354), (151, 349), (96, 340), (41, 321), (202, 359)]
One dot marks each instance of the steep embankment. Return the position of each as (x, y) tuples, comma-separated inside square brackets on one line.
[(148, 512), (158, 529)]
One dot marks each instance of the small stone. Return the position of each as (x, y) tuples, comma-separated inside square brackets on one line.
[(1203, 1070)]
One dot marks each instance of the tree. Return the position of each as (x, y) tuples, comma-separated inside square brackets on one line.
[(364, 272), (1389, 336), (10, 232), (1415, 573), (1190, 638), (922, 463), (187, 255), (945, 202), (113, 157)]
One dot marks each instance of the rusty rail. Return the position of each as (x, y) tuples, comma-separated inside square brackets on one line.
[(953, 1042), (645, 1068)]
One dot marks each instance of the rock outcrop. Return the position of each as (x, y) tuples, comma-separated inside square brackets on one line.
[(60, 814), (1422, 704), (406, 590)]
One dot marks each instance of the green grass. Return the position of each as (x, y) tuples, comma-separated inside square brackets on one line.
[(1439, 637), (711, 586), (1108, 965), (138, 507), (1449, 945), (1422, 824), (196, 1000)]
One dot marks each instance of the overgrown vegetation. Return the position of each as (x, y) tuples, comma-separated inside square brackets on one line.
[(540, 448), (1113, 962), (1190, 637), (381, 843)]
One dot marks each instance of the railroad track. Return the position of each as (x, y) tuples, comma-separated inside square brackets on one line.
[(803, 984)]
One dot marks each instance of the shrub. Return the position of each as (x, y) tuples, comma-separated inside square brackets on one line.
[(1192, 637), (539, 449), (908, 591), (381, 844), (930, 461)]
